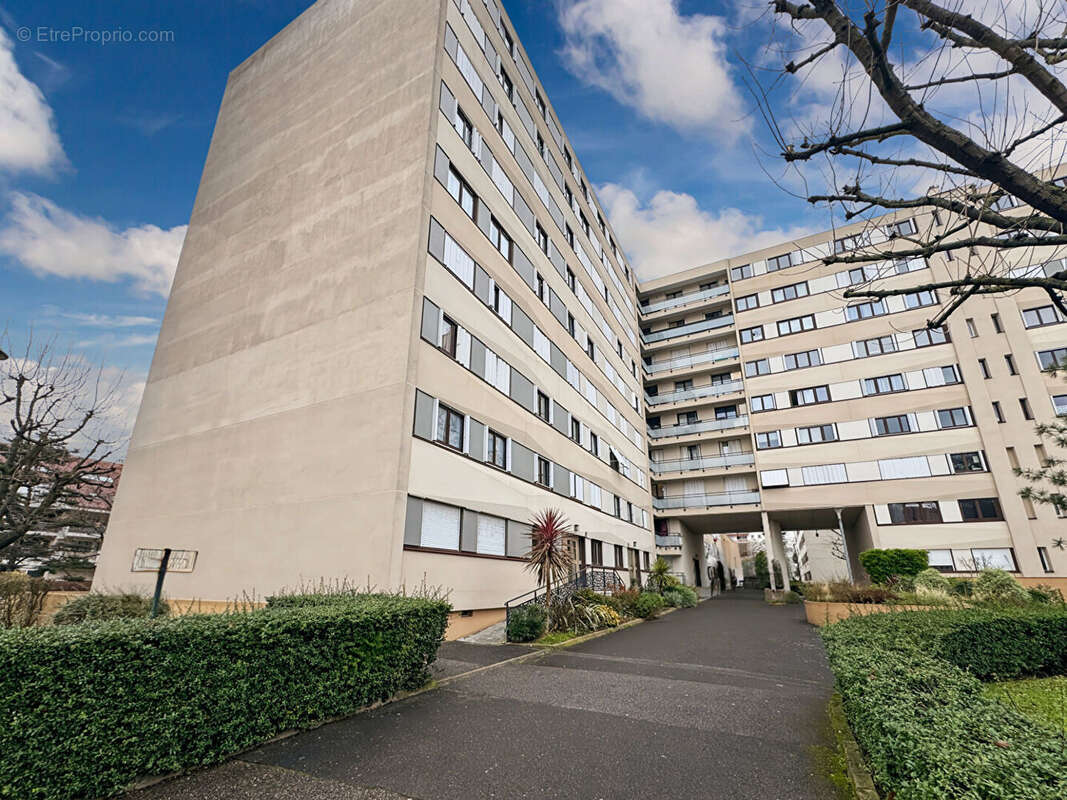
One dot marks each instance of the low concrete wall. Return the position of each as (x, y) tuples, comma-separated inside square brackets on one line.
[(460, 626), (56, 600), (822, 613)]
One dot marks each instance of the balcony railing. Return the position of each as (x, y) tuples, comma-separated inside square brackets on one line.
[(691, 327), (668, 541), (706, 500), (705, 462), (699, 427), (685, 299), (708, 356), (715, 389)]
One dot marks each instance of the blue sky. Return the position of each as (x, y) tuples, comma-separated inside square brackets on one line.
[(104, 145)]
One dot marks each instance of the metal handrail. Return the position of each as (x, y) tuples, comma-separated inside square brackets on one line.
[(698, 427), (670, 540), (745, 458), (706, 500), (719, 354), (712, 390), (691, 327), (685, 299), (599, 579)]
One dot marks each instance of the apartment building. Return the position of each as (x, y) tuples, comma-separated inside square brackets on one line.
[(819, 556), (774, 403), (400, 326)]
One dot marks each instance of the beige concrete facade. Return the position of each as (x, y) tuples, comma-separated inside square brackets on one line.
[(828, 406), (393, 258)]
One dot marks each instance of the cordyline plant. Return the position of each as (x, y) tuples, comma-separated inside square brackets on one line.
[(548, 556)]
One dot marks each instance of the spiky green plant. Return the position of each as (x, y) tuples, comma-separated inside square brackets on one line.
[(549, 558)]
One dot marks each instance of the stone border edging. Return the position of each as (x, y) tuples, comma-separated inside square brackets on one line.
[(858, 774)]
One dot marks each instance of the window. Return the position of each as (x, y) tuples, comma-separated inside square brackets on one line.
[(1046, 564), (864, 348), (980, 510), (449, 427), (762, 402), (890, 426), (925, 337), (906, 227), (681, 386), (541, 147), (779, 262), (995, 319), (544, 471), (687, 418), (541, 108), (768, 440), (613, 460), (1049, 359), (449, 334), (971, 329), (796, 324), (740, 273), (440, 526), (852, 277), (464, 128), (570, 323), (501, 241), (544, 406), (824, 473), (809, 396), (509, 87), (1010, 361), (920, 299), (966, 462), (747, 302), (726, 412), (594, 443), (948, 375), (1059, 404), (846, 243), (590, 348), (1024, 404), (497, 451), (754, 334), (884, 384), (596, 552), (808, 358), (1041, 315), (540, 281), (872, 308), (569, 234), (618, 555), (570, 278), (461, 192), (941, 560), (759, 367), (997, 412), (911, 513), (953, 418), (816, 433), (542, 238), (791, 292), (982, 365)]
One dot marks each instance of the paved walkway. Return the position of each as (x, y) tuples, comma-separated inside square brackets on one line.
[(726, 700)]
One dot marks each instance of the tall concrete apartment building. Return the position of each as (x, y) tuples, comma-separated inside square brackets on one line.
[(775, 403), (400, 326)]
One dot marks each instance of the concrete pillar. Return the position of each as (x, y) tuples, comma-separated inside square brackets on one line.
[(768, 548), (773, 532)]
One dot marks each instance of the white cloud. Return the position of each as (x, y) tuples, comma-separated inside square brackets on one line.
[(669, 67), (109, 321), (52, 241), (28, 138), (672, 233)]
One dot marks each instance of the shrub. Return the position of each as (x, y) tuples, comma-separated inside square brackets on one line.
[(997, 587), (931, 582), (627, 600), (21, 599), (845, 592), (648, 604), (527, 623), (604, 616), (660, 578), (1045, 595), (883, 564), (680, 596), (909, 683), (89, 708), (97, 606)]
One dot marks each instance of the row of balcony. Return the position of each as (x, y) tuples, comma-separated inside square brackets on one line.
[(691, 327), (712, 390), (704, 462), (704, 500), (685, 299), (686, 428), (681, 362)]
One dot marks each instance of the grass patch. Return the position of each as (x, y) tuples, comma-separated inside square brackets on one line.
[(829, 756), (558, 637), (1043, 700)]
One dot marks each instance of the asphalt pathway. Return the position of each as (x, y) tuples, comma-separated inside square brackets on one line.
[(726, 700)]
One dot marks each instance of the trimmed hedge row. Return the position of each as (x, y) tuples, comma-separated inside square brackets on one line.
[(87, 709), (912, 695)]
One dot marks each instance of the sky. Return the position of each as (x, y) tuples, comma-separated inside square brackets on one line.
[(102, 145)]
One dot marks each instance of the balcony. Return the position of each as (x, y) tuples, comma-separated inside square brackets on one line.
[(681, 362), (668, 541), (685, 330), (707, 462), (705, 500), (699, 427), (714, 390), (686, 299)]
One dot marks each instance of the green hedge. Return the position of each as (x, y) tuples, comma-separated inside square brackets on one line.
[(912, 695), (884, 564), (86, 709)]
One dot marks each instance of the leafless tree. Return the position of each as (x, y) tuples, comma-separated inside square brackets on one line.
[(951, 110), (56, 458)]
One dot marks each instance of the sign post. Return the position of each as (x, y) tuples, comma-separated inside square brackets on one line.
[(161, 573), (160, 561)]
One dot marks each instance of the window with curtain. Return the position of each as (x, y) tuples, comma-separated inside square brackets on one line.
[(824, 473), (910, 467)]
